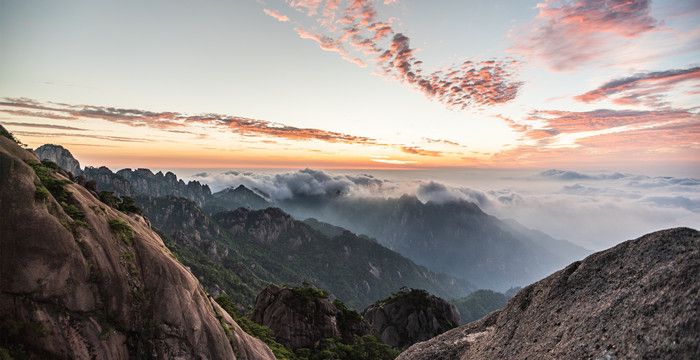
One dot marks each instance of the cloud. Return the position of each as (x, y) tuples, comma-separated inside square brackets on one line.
[(557, 174), (675, 202), (302, 184), (355, 27), (439, 193), (274, 14), (327, 43), (41, 126), (419, 151), (175, 121), (647, 88), (567, 34), (74, 135), (596, 210)]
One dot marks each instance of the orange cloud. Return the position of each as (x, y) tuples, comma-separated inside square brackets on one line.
[(174, 121)]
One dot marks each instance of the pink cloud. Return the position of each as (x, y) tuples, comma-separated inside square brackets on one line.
[(645, 88), (567, 34), (357, 29), (276, 15)]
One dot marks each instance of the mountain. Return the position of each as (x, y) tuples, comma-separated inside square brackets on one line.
[(454, 237), (409, 316), (478, 304), (233, 198), (357, 270), (59, 155), (637, 300), (83, 280), (143, 182), (239, 252)]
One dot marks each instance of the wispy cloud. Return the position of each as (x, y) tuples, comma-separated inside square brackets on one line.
[(567, 34), (649, 88), (175, 121), (353, 28), (276, 15)]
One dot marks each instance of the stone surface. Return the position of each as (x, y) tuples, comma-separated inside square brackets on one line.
[(81, 289), (637, 300), (61, 156), (410, 316), (299, 318)]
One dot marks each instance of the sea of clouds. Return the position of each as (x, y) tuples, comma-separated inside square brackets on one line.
[(594, 210)]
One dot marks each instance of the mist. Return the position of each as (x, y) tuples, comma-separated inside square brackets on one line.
[(593, 210)]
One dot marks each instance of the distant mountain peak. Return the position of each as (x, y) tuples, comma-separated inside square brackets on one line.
[(59, 155)]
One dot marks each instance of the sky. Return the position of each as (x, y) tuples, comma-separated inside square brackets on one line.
[(392, 84)]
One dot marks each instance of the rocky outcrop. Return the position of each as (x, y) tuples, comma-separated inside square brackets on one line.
[(82, 280), (146, 183), (61, 156), (303, 317), (637, 300), (143, 182), (106, 180), (410, 316)]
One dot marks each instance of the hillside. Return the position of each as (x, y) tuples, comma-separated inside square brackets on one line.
[(456, 238), (96, 282), (637, 300), (241, 251)]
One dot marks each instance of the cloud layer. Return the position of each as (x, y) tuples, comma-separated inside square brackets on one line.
[(596, 210), (174, 121)]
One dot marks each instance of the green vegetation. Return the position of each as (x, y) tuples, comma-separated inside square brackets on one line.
[(478, 304), (261, 332), (42, 193), (7, 134), (49, 184), (122, 230), (366, 347), (124, 204)]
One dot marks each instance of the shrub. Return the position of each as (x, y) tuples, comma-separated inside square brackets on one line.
[(42, 193), (261, 332), (122, 230)]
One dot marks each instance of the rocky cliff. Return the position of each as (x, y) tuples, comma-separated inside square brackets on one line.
[(637, 300), (303, 317), (81, 280), (143, 182), (409, 316), (59, 155)]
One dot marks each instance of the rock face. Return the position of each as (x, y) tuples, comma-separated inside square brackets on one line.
[(143, 182), (637, 300), (81, 280), (303, 317), (59, 155), (410, 316)]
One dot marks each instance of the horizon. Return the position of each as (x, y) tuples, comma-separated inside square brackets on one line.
[(357, 85)]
